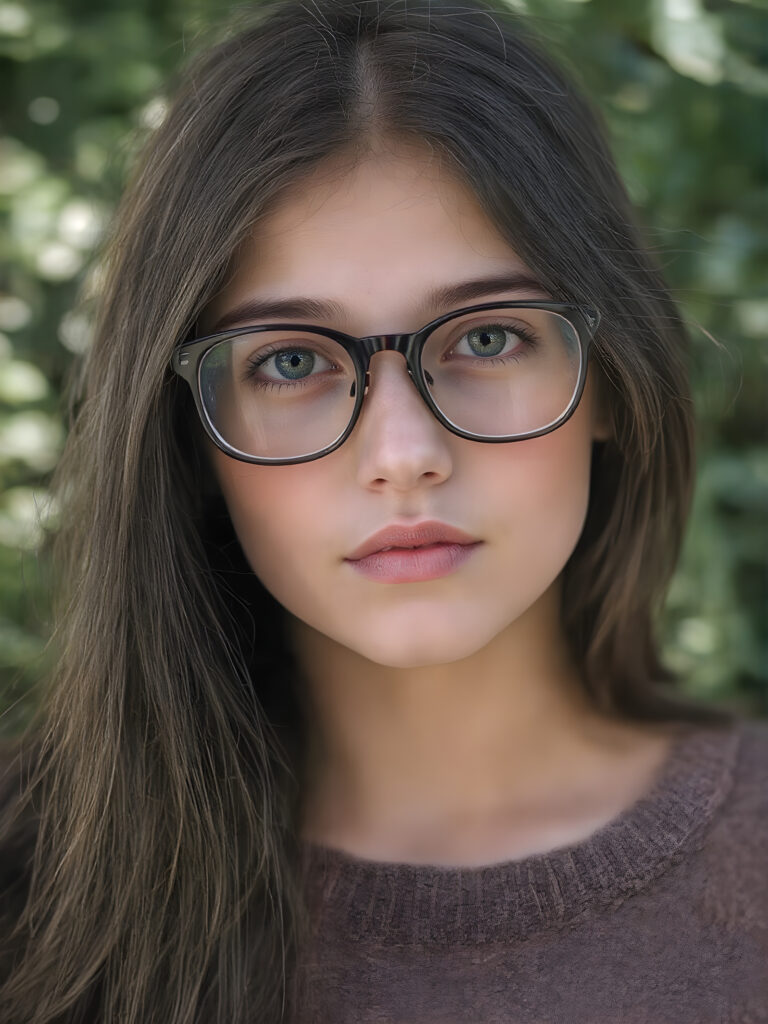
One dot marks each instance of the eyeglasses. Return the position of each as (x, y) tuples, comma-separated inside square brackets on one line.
[(282, 393)]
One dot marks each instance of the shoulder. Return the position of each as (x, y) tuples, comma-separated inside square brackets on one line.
[(726, 892), (738, 839), (754, 732), (751, 763), (750, 774)]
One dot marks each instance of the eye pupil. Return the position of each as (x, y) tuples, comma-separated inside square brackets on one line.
[(487, 339), (288, 362)]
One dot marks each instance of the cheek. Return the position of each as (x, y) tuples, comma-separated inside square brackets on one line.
[(548, 476), (541, 484), (269, 507)]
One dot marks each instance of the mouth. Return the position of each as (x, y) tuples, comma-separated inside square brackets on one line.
[(414, 564), (413, 547), (412, 537)]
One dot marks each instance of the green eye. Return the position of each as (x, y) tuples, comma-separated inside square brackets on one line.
[(487, 341), (294, 364)]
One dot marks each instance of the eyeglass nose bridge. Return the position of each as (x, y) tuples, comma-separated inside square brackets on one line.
[(405, 344)]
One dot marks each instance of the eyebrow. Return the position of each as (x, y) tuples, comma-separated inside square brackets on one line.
[(447, 296)]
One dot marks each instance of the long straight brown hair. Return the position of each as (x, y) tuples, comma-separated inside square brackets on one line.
[(156, 826)]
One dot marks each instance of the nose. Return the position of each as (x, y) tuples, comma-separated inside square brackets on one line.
[(397, 441)]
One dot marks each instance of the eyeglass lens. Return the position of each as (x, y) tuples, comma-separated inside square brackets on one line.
[(283, 394)]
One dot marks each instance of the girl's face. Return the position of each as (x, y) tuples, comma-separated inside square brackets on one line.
[(376, 241)]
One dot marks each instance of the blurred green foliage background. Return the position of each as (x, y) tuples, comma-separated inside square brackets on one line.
[(683, 87)]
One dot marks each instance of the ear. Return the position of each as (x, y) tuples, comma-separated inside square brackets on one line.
[(602, 426), (206, 474), (210, 481), (601, 429)]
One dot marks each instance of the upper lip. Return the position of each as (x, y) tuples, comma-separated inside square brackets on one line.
[(417, 535)]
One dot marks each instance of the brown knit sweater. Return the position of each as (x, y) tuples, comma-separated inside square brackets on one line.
[(660, 917)]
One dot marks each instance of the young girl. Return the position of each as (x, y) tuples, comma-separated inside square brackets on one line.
[(380, 465)]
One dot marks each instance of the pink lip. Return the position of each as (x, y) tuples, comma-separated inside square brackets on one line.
[(420, 564), (431, 531), (437, 549)]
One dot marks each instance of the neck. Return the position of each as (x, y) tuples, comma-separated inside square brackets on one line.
[(400, 751)]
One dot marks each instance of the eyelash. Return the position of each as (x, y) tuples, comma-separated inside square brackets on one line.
[(253, 364)]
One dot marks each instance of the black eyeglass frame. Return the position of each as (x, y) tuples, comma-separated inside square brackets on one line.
[(187, 358)]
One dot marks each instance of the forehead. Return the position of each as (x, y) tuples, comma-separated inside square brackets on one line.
[(385, 193), (374, 234)]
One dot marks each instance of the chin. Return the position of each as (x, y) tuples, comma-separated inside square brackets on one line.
[(420, 651)]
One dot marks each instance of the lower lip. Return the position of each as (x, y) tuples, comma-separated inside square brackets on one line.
[(414, 566)]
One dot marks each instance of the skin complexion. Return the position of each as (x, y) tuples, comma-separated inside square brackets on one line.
[(448, 724)]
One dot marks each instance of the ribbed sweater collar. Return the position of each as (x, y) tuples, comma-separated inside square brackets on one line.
[(414, 904)]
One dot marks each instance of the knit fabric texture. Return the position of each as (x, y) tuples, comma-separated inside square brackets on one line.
[(659, 917)]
